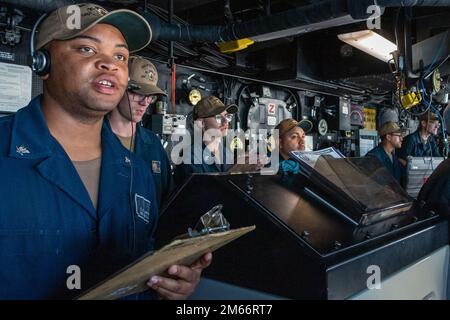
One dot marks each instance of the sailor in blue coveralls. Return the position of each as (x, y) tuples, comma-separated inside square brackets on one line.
[(211, 118), (291, 138), (66, 196), (391, 139), (421, 143), (435, 193), (142, 91)]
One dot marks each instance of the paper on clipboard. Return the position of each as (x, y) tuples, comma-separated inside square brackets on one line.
[(311, 157), (133, 278)]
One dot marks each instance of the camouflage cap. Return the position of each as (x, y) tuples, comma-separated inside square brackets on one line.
[(211, 106), (389, 128), (429, 116), (143, 77), (288, 124), (63, 24)]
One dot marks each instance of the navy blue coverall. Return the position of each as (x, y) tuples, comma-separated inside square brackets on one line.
[(394, 167), (150, 149), (413, 146), (47, 220)]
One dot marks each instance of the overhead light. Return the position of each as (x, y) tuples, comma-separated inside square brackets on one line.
[(302, 29), (370, 42)]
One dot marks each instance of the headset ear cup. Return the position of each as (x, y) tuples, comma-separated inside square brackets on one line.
[(41, 62)]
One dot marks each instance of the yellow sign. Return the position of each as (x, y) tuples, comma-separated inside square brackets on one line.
[(194, 96), (271, 144), (370, 119), (236, 144)]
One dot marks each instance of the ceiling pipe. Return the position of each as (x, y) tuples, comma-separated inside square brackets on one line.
[(320, 15)]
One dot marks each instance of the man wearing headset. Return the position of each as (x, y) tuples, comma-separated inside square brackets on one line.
[(73, 198), (142, 90), (435, 193)]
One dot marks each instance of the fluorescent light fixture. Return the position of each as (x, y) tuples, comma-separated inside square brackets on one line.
[(370, 42), (296, 31)]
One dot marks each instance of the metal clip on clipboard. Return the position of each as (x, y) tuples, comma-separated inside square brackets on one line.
[(211, 222)]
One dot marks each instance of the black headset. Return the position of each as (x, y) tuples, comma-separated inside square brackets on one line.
[(40, 59)]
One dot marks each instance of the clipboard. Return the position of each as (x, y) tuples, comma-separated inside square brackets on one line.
[(133, 278)]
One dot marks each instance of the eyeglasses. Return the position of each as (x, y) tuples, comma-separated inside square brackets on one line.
[(220, 118), (140, 98)]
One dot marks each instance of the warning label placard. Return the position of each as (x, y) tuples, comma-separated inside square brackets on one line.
[(15, 86)]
